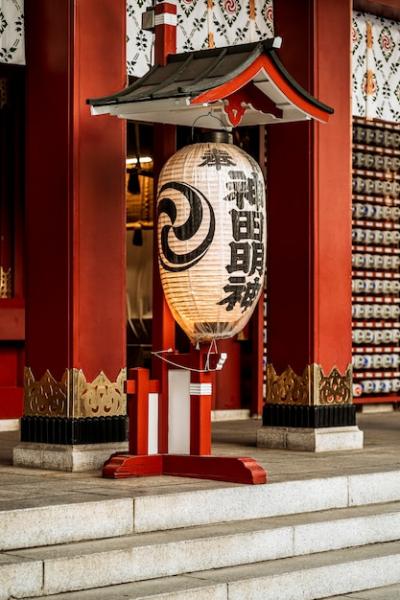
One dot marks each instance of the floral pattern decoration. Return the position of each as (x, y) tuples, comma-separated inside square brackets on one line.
[(200, 24), (376, 67), (12, 39)]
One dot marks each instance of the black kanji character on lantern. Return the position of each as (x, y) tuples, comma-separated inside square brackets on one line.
[(246, 257), (257, 258), (240, 257), (250, 293), (243, 188), (215, 157), (240, 292), (235, 289), (247, 225)]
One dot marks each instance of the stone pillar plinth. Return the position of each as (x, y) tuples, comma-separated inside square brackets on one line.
[(310, 412)]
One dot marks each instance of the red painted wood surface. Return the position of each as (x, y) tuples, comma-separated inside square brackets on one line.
[(165, 35), (163, 330), (309, 196), (257, 347), (265, 63), (12, 310), (12, 320), (237, 103), (390, 9), (11, 390), (138, 388), (121, 466), (228, 381), (377, 400), (221, 468), (200, 406), (75, 196)]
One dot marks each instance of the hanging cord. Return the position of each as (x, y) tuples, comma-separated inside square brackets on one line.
[(213, 116), (220, 364)]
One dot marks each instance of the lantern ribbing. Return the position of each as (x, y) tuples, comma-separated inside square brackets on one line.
[(211, 238)]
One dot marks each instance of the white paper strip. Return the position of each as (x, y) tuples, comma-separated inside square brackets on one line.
[(200, 389), (153, 424), (178, 411)]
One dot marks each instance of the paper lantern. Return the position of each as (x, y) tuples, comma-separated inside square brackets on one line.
[(211, 238)]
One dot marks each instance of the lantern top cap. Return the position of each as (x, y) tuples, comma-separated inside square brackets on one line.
[(246, 83)]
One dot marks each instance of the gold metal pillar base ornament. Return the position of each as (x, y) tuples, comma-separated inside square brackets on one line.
[(5, 283), (74, 397), (312, 388)]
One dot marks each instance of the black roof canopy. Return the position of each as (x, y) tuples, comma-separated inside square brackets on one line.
[(247, 78)]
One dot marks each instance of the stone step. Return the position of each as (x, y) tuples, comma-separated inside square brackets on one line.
[(34, 525), (389, 592), (308, 577), (65, 522), (100, 563), (185, 509)]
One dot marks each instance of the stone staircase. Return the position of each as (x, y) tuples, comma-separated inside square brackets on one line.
[(292, 540)]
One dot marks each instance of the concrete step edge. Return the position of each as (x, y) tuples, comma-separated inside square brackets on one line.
[(110, 517), (83, 565), (64, 523), (185, 509), (310, 578)]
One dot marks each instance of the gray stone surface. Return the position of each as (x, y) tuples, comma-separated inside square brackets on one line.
[(172, 588), (57, 457), (162, 554), (326, 439), (19, 577), (61, 523), (385, 593), (298, 482), (317, 576), (311, 577), (377, 487)]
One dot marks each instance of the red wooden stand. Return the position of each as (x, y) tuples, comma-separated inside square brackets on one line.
[(141, 459), (200, 464), (221, 468)]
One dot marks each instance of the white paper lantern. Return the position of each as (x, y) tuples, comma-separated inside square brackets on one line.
[(211, 238)]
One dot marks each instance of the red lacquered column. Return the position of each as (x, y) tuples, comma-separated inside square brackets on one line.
[(309, 228), (75, 216), (163, 336)]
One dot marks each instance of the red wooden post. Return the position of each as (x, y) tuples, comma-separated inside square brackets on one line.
[(163, 332), (138, 388), (202, 386), (165, 30), (257, 347)]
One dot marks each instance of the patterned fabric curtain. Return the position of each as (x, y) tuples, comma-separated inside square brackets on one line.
[(201, 24), (376, 67), (12, 43)]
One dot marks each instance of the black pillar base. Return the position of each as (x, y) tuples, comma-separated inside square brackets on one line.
[(280, 415), (60, 430)]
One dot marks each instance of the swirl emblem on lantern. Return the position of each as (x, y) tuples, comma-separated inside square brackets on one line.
[(211, 238)]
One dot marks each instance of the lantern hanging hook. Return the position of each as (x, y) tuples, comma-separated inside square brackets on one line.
[(207, 369), (213, 116)]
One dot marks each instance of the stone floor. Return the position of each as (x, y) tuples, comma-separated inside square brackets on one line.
[(391, 592), (20, 488)]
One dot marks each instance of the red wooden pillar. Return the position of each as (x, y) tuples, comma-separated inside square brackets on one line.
[(12, 312), (163, 336), (309, 227), (75, 213)]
